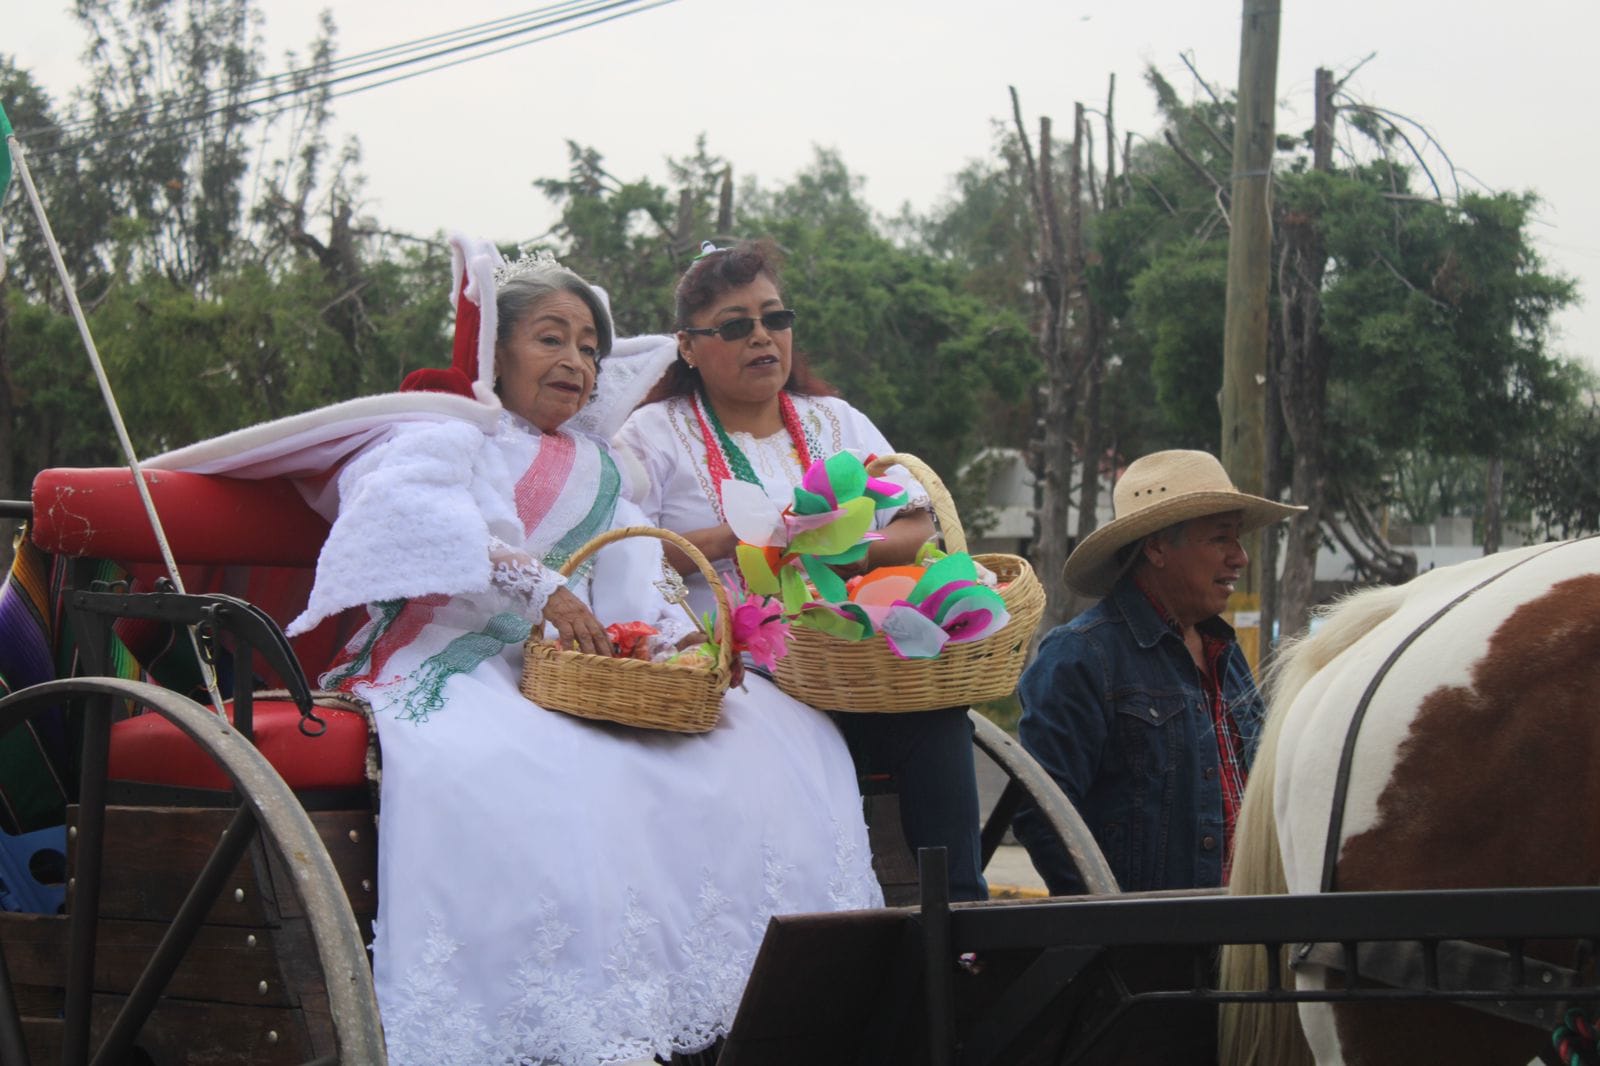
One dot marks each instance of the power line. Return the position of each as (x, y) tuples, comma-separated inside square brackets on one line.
[(587, 9), (641, 7), (338, 64)]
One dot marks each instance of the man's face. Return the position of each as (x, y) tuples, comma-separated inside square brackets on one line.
[(1195, 577)]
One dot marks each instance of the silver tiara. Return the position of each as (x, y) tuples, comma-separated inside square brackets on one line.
[(536, 263)]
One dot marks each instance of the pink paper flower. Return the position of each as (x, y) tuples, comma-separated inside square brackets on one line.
[(759, 628)]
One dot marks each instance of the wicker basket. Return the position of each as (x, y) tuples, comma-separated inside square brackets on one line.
[(865, 676), (671, 696)]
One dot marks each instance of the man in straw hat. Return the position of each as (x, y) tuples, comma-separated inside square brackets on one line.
[(1143, 707)]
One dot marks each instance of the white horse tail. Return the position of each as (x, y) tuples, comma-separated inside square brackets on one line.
[(1269, 1034)]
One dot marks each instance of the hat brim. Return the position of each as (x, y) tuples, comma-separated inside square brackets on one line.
[(1092, 567)]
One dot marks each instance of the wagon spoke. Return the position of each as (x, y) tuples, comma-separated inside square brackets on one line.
[(179, 936), (999, 820)]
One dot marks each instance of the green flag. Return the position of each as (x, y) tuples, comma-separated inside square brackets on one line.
[(5, 152)]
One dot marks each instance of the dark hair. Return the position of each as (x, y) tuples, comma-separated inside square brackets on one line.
[(517, 295), (1132, 554), (708, 278)]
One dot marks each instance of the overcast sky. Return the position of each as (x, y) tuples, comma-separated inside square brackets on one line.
[(906, 91)]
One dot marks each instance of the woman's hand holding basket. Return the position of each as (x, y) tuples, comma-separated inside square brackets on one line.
[(575, 624)]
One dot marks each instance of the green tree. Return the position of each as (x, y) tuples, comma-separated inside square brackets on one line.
[(1408, 328), (630, 237), (1556, 473), (983, 228), (169, 106), (893, 328), (211, 312)]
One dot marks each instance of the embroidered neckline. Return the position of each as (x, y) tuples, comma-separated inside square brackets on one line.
[(726, 461)]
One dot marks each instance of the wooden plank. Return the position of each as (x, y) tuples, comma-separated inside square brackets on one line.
[(153, 856), (351, 837), (225, 964), (195, 1034), (302, 970), (209, 1034), (35, 947), (215, 1010), (43, 1037)]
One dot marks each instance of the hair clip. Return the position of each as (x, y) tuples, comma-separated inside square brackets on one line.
[(536, 263), (706, 248)]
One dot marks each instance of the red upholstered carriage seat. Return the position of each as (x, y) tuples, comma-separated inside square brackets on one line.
[(150, 750), (255, 539)]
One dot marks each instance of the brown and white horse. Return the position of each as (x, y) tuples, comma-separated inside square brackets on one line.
[(1474, 767)]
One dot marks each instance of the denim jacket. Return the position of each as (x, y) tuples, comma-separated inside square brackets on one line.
[(1113, 709)]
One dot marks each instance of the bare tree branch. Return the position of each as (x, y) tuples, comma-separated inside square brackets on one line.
[(1047, 202), (1205, 127), (1087, 132), (1369, 57), (427, 242), (1111, 144), (350, 293), (1173, 211), (1392, 120), (1188, 61), (1196, 166), (1027, 147), (1381, 258), (1370, 549)]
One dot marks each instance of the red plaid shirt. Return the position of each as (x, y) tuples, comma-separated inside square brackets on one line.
[(1230, 772)]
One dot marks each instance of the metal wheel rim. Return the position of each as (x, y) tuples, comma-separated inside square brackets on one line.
[(340, 951)]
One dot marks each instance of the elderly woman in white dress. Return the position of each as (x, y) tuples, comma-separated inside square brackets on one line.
[(554, 890)]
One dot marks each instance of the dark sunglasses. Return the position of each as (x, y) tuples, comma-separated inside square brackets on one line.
[(737, 329)]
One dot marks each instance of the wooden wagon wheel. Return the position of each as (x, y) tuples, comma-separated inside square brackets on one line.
[(1026, 779), (267, 804)]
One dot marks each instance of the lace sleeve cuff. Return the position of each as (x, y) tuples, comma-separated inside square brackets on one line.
[(525, 579)]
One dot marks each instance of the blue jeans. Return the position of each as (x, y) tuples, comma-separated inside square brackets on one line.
[(929, 754)]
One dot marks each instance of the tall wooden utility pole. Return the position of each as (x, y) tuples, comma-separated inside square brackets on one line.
[(1244, 344)]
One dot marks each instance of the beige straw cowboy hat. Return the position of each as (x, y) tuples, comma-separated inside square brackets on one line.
[(1157, 491)]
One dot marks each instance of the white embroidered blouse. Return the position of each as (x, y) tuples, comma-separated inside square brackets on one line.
[(667, 440)]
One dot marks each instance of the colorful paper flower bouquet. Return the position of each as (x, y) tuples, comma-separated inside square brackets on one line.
[(787, 557)]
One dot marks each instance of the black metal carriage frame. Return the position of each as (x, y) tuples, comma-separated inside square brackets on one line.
[(1132, 978)]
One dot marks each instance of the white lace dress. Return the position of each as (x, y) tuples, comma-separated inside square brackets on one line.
[(554, 890)]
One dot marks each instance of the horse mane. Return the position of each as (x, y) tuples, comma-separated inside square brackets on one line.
[(1269, 1034)]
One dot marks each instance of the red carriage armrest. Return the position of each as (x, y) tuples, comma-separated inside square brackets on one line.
[(208, 518)]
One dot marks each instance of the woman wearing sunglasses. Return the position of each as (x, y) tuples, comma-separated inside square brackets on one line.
[(740, 403)]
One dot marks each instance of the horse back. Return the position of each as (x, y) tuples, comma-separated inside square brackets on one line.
[(1472, 765)]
